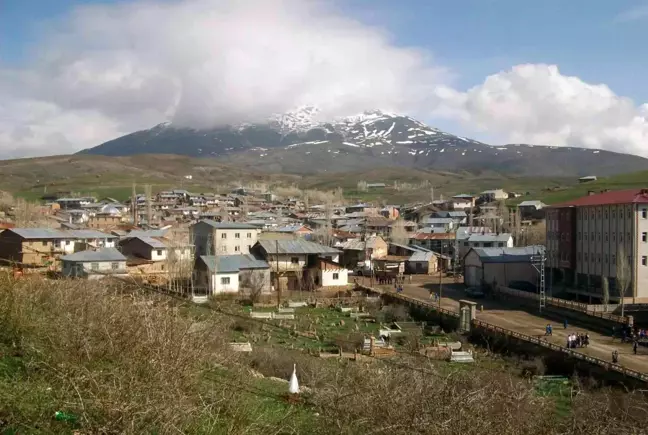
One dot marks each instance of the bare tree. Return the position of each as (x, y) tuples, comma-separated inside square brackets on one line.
[(399, 233), (606, 292), (362, 186), (536, 234), (254, 285), (623, 275)]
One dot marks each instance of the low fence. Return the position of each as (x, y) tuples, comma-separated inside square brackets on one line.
[(563, 303), (557, 348), (508, 332)]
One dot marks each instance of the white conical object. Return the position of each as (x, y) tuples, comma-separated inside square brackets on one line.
[(293, 387)]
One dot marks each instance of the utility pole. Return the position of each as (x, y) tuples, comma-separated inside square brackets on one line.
[(134, 205), (149, 214), (443, 245), (277, 266)]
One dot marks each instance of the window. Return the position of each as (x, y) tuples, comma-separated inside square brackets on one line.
[(644, 260), (223, 235), (644, 237), (294, 260), (501, 244), (644, 213), (223, 248), (599, 237), (613, 213), (598, 258), (94, 266), (249, 235), (628, 235), (586, 256), (237, 235), (67, 243), (592, 236), (225, 280), (606, 258), (336, 276), (613, 258), (606, 214), (585, 236), (621, 214), (614, 237), (159, 252), (579, 235), (606, 237), (114, 266), (237, 248), (44, 242)]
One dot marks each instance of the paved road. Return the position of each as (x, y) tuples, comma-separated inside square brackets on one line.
[(505, 315)]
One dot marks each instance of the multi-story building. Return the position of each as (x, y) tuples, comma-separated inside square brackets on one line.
[(586, 236), (223, 238)]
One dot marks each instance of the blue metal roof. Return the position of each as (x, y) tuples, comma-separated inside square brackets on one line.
[(233, 263), (508, 255), (228, 225), (297, 246), (100, 255)]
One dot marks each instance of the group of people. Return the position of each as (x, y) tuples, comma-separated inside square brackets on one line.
[(577, 340)]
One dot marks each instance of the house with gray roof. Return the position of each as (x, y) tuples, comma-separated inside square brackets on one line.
[(231, 274), (38, 247), (300, 264), (501, 265), (223, 238), (485, 240), (91, 264), (532, 209), (154, 249)]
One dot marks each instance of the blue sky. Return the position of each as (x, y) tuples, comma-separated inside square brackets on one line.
[(480, 37), (473, 37), (518, 71)]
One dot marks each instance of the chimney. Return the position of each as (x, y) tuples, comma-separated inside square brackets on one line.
[(644, 192), (590, 193)]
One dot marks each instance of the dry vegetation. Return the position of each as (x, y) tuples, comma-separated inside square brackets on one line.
[(124, 361)]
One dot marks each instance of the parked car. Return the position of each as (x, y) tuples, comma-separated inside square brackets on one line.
[(525, 286), (362, 271), (474, 292)]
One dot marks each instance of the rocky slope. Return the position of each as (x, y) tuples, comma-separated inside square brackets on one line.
[(297, 142)]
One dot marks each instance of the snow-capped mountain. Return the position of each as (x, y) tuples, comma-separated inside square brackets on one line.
[(300, 141)]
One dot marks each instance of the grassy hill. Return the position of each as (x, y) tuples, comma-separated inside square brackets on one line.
[(114, 176), (561, 193)]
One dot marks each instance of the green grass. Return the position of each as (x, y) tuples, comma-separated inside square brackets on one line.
[(559, 391), (633, 180)]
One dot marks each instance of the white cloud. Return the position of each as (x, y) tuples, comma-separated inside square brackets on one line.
[(633, 14), (103, 71), (536, 104), (205, 62)]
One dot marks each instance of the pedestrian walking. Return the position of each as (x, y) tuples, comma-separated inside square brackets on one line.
[(548, 329), (615, 357), (565, 324), (634, 347)]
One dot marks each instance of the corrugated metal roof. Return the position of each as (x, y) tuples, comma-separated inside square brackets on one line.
[(508, 255), (42, 233), (228, 225), (422, 256), (492, 237), (147, 233), (105, 254), (152, 242), (536, 204), (90, 234), (233, 263), (439, 220), (297, 246)]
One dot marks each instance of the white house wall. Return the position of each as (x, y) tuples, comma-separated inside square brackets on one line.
[(327, 280), (218, 287)]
